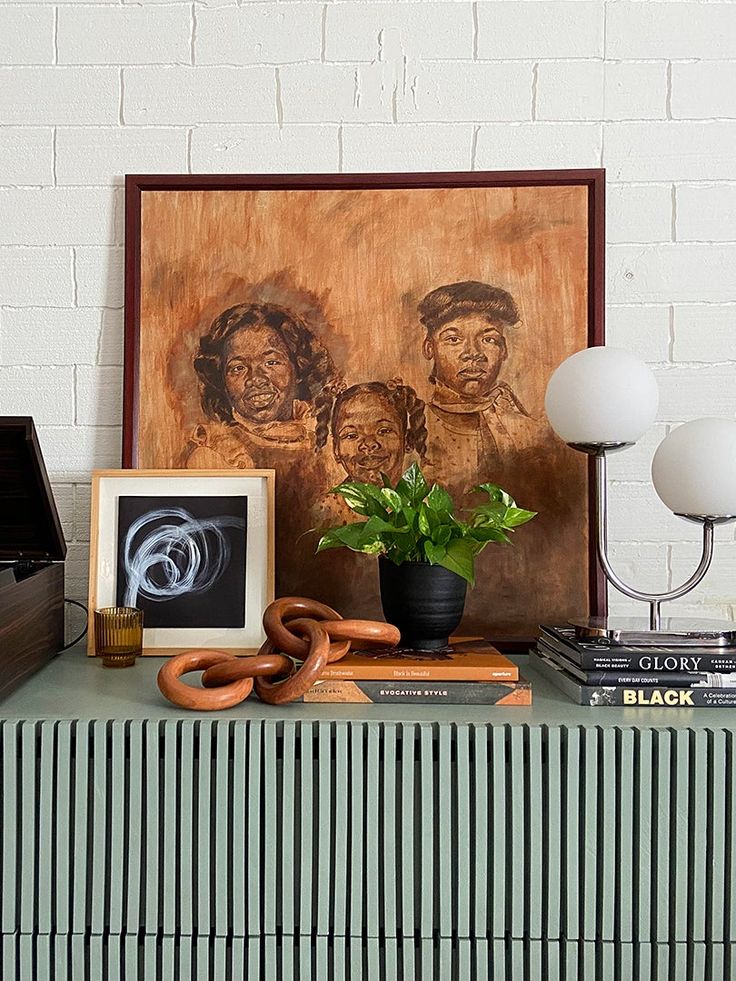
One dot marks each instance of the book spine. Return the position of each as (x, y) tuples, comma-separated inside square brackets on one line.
[(660, 697), (664, 679), (642, 662), (456, 693), (648, 664), (430, 674)]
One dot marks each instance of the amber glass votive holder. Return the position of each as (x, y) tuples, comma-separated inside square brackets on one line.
[(118, 635)]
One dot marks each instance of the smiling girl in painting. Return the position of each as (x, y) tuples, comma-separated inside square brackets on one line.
[(265, 380), (374, 426), (474, 420)]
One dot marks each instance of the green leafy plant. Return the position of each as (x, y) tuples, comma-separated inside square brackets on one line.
[(413, 522)]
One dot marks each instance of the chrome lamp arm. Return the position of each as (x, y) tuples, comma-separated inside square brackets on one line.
[(654, 599)]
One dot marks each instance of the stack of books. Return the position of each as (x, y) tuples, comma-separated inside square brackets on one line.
[(468, 672), (598, 673)]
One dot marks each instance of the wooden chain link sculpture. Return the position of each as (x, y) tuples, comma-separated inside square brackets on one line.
[(297, 630)]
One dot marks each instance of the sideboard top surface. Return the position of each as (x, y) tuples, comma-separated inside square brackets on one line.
[(74, 686)]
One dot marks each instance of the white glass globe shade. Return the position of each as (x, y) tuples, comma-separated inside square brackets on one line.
[(694, 468), (601, 395)]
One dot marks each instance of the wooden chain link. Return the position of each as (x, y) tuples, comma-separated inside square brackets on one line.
[(297, 630)]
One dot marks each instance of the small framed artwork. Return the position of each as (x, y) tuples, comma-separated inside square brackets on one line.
[(337, 327), (193, 549)]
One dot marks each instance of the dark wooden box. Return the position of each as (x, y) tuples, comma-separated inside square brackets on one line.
[(32, 550)]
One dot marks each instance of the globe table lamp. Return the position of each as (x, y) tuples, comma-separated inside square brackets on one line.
[(602, 400)]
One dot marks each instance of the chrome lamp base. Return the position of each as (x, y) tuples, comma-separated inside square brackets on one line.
[(658, 630), (672, 632)]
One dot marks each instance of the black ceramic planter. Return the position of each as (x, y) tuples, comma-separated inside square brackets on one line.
[(424, 601)]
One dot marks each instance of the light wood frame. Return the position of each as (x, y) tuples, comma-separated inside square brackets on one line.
[(269, 476)]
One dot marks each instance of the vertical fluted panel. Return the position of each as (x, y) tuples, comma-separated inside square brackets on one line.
[(408, 821), (597, 848), (644, 831), (464, 834), (305, 840), (432, 827), (389, 909), (135, 820), (719, 790), (356, 831), (45, 880), (373, 835), (603, 854), (10, 838), (169, 842), (184, 830), (498, 773), (325, 833), (28, 809), (271, 830), (339, 822), (572, 835), (552, 832), (480, 822), (77, 958), (661, 833), (580, 849)]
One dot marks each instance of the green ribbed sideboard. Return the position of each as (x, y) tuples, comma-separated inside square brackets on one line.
[(346, 842)]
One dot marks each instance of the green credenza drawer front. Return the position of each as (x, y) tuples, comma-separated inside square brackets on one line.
[(421, 831)]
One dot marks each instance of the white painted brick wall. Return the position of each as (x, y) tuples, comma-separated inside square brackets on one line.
[(322, 93), (124, 35), (26, 36), (670, 151), (474, 92), (59, 96), (93, 89), (702, 89), (183, 95), (704, 333), (671, 31), (368, 31), (26, 156), (557, 29), (259, 33), (105, 154), (238, 149), (60, 216), (706, 213), (430, 146)]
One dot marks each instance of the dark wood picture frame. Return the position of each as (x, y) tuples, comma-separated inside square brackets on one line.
[(593, 180)]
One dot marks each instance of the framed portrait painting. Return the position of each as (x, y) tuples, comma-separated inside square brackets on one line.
[(193, 549), (340, 327)]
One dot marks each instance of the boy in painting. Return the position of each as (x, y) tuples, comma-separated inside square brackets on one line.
[(374, 425), (474, 420), (264, 381)]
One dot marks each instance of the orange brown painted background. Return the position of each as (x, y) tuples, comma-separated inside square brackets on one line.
[(354, 264)]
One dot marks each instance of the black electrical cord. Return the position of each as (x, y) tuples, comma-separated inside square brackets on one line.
[(76, 639)]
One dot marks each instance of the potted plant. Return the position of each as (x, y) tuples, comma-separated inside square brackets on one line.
[(426, 553)]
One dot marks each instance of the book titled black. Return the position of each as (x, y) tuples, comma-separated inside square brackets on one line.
[(631, 697), (639, 679), (596, 656)]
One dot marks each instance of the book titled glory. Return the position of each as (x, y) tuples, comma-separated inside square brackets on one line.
[(596, 656), (470, 660), (684, 678)]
